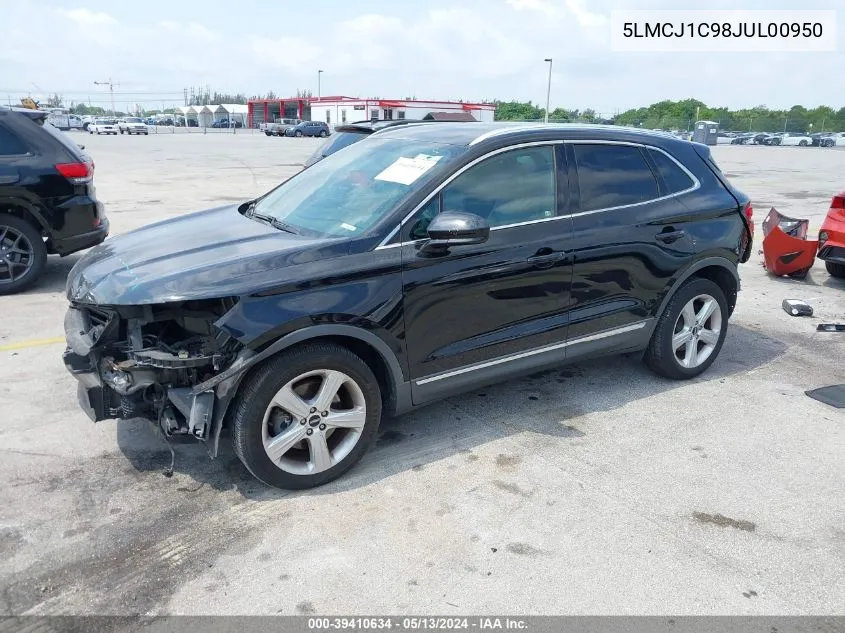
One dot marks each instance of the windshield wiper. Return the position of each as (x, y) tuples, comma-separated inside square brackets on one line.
[(275, 223)]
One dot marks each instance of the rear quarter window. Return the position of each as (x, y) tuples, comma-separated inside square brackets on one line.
[(613, 176), (10, 144), (72, 148), (676, 179)]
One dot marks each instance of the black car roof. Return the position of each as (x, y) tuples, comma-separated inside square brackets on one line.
[(476, 133), (32, 114), (368, 127)]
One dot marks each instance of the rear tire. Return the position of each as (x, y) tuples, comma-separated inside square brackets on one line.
[(679, 327), (835, 270), (802, 143), (28, 239), (324, 134), (261, 415)]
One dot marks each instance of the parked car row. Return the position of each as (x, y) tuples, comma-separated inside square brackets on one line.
[(794, 139)]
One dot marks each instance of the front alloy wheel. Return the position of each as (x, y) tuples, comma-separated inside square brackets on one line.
[(314, 422), (306, 416)]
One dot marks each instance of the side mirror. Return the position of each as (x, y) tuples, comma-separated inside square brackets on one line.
[(455, 228)]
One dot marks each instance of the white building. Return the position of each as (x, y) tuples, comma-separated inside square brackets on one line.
[(207, 114), (338, 110)]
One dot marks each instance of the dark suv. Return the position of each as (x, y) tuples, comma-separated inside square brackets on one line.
[(419, 263), (348, 133), (47, 201), (308, 128)]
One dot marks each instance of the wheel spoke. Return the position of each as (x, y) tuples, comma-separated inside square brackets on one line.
[(689, 314), (709, 337), (707, 309), (328, 390), (321, 457), (283, 442), (349, 419), (3, 234), (288, 400), (690, 353), (681, 338)]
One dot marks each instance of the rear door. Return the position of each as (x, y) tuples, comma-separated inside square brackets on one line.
[(629, 237), (482, 311)]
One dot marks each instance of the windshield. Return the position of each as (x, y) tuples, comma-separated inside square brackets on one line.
[(348, 192), (132, 120), (337, 141)]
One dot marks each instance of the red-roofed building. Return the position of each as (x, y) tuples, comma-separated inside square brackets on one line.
[(335, 110)]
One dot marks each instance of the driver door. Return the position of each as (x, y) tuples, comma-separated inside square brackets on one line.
[(475, 312)]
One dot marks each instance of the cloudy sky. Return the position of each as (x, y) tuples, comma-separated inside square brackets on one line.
[(436, 49)]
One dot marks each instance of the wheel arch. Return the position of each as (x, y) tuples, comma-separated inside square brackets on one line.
[(24, 210), (396, 391), (720, 270)]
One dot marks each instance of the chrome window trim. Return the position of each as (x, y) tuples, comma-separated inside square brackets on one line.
[(532, 352), (696, 185)]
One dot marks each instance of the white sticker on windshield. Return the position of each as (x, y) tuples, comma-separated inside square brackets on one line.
[(348, 227), (406, 170)]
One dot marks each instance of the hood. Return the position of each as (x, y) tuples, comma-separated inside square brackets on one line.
[(210, 254)]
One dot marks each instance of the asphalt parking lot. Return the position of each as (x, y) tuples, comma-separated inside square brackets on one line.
[(598, 488)]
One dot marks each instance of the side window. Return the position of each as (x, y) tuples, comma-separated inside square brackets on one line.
[(423, 218), (675, 178), (512, 187), (612, 176), (10, 145)]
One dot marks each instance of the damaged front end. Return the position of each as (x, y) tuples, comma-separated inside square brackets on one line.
[(146, 362)]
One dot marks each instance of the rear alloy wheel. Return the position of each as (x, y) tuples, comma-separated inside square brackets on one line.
[(835, 270), (323, 133), (22, 254), (306, 416), (802, 143), (690, 332)]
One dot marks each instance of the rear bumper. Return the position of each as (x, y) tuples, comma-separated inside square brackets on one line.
[(73, 243)]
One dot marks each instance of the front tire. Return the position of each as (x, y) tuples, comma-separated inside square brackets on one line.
[(306, 416), (690, 332), (23, 254), (802, 143), (835, 270), (298, 133)]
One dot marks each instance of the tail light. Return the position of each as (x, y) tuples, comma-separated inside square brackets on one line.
[(77, 173), (749, 211), (838, 201)]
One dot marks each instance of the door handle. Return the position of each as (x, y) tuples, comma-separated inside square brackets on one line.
[(667, 237), (545, 259)]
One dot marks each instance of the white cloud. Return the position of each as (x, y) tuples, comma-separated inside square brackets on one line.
[(583, 15), (84, 17), (540, 6)]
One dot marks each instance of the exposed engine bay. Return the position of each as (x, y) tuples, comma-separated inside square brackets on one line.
[(147, 361)]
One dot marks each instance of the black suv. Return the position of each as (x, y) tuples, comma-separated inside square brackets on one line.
[(47, 202), (419, 263), (348, 133)]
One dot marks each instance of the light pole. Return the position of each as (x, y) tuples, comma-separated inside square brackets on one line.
[(111, 86), (319, 73), (548, 88)]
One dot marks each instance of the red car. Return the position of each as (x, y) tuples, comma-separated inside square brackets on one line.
[(832, 237)]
